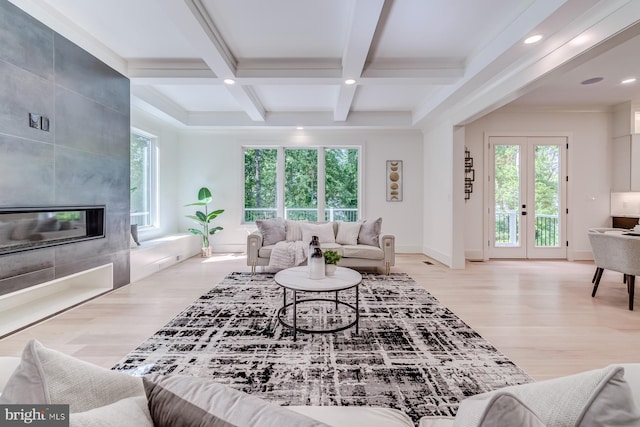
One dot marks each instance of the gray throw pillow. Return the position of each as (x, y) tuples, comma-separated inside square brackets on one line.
[(272, 231), (177, 400), (370, 233)]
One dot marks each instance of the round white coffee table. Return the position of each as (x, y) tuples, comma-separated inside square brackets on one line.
[(297, 280)]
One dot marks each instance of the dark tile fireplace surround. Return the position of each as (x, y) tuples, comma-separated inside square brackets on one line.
[(81, 160)]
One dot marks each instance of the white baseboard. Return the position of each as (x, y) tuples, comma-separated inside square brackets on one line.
[(438, 256), (579, 256), (408, 249), (474, 255)]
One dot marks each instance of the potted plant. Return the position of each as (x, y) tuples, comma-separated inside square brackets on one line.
[(203, 219), (331, 258)]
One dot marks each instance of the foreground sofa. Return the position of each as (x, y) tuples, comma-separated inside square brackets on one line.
[(361, 244), (100, 397)]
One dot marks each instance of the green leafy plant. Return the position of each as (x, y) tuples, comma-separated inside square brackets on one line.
[(203, 219), (331, 257)]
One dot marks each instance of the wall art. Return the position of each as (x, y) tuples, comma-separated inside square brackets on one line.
[(394, 180)]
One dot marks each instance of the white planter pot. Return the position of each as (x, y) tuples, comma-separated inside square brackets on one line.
[(330, 269)]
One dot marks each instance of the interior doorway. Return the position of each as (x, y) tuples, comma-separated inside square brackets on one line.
[(527, 207)]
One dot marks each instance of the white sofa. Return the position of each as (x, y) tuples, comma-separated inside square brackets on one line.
[(609, 396), (358, 255)]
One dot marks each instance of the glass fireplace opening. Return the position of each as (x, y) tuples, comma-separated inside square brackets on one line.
[(23, 229)]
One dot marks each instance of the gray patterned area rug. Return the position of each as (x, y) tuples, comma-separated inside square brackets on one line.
[(411, 353)]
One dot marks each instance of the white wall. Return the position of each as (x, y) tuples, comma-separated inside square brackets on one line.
[(214, 159), (443, 157), (588, 163), (169, 152)]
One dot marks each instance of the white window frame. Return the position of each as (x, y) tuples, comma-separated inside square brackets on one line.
[(154, 158), (280, 173)]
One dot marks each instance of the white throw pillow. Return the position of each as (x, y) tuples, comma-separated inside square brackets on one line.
[(293, 232), (499, 409), (348, 233), (600, 397), (48, 376), (323, 231)]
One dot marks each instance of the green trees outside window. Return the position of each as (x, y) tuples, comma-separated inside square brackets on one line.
[(301, 183)]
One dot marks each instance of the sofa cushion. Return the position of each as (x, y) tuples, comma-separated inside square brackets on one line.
[(593, 398), (332, 246), (293, 232), (348, 233), (362, 251), (349, 416), (48, 376), (370, 232), (324, 231), (265, 251), (177, 400), (273, 230)]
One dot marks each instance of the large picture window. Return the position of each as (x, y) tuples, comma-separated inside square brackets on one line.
[(302, 183), (144, 158)]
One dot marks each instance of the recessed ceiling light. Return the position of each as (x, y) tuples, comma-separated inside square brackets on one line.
[(229, 81), (533, 39), (627, 81), (300, 127), (592, 81), (349, 81)]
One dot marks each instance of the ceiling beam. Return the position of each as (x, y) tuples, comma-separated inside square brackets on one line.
[(364, 21), (294, 72), (193, 20)]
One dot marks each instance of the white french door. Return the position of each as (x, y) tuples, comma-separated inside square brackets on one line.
[(527, 184)]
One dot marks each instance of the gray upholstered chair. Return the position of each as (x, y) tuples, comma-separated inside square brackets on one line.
[(615, 251)]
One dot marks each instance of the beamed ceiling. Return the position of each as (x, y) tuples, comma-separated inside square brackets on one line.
[(412, 60)]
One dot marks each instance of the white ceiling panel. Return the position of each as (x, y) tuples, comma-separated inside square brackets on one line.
[(298, 98), (131, 28), (282, 28), (390, 97), (200, 98), (443, 28)]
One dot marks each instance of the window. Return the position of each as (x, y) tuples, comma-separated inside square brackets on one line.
[(260, 167), (144, 157), (302, 183)]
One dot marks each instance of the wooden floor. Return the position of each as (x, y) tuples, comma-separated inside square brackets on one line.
[(539, 313)]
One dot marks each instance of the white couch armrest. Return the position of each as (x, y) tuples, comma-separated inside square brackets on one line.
[(388, 246), (254, 243)]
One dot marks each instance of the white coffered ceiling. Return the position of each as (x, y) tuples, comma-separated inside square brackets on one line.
[(411, 59)]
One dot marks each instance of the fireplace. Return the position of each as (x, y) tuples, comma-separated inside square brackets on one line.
[(23, 229)]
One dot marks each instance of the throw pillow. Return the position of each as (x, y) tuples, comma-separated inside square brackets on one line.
[(177, 400), (48, 376), (496, 410), (348, 233), (132, 411), (370, 233), (324, 232), (593, 398), (272, 230), (293, 230)]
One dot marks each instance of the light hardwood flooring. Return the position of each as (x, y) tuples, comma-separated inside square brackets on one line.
[(538, 313)]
